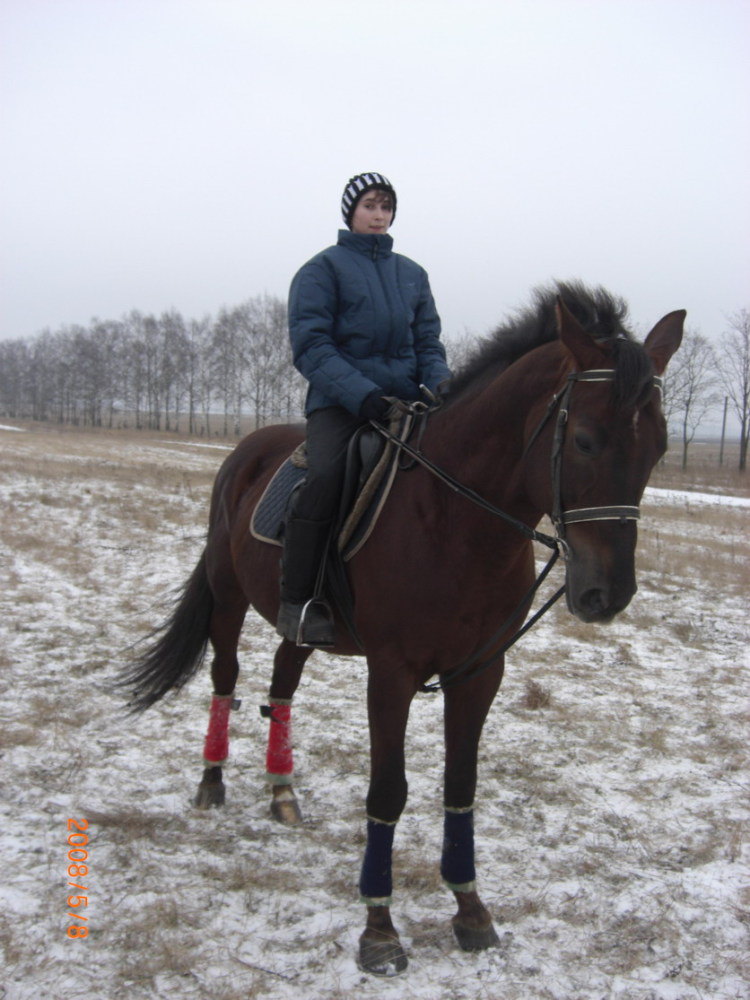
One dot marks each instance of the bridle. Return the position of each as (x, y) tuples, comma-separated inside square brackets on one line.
[(561, 400), (560, 518)]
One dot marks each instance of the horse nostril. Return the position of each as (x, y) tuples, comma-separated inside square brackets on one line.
[(594, 601)]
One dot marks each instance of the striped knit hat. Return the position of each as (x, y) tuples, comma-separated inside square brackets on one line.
[(356, 187)]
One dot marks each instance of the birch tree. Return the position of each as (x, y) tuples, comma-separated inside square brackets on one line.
[(734, 365), (691, 387)]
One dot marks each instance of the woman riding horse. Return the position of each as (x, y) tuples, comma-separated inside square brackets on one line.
[(363, 326)]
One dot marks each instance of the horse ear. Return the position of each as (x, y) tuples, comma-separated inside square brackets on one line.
[(581, 345), (664, 339)]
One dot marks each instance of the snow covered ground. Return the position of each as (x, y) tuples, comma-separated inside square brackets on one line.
[(612, 823)]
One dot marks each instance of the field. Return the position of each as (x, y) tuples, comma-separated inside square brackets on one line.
[(612, 818)]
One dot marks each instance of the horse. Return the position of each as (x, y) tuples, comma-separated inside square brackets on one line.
[(559, 413)]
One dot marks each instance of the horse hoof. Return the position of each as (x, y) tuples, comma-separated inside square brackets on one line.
[(475, 938), (210, 795), (382, 957), (285, 809)]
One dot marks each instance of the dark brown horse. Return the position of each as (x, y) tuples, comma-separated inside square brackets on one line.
[(558, 413)]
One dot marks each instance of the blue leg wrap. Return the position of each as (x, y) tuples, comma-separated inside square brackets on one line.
[(375, 882), (457, 864)]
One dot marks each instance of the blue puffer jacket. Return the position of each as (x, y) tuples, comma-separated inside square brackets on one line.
[(362, 318)]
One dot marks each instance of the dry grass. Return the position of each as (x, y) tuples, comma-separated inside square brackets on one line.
[(704, 471), (537, 696)]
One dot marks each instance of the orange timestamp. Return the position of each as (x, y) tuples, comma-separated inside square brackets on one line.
[(78, 854)]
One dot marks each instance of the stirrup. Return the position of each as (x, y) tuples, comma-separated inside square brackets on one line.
[(308, 623), (315, 624)]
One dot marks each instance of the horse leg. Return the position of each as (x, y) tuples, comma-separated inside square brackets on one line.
[(466, 708), (224, 633), (388, 701), (287, 671)]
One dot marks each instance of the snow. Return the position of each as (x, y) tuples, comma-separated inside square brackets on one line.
[(661, 496), (612, 840)]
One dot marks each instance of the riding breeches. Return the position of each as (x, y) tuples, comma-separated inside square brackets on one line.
[(329, 431)]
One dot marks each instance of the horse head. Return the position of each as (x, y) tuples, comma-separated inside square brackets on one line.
[(607, 435)]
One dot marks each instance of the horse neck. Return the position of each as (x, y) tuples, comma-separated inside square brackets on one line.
[(480, 438)]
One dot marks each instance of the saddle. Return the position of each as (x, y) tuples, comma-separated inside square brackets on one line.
[(371, 466)]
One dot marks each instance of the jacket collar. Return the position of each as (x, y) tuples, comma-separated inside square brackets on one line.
[(369, 244)]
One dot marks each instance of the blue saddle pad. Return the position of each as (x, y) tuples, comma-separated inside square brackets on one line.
[(370, 470), (268, 518)]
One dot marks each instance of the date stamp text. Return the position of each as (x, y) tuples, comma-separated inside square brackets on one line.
[(78, 876)]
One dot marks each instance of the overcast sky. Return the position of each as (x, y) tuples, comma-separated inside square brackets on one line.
[(192, 153)]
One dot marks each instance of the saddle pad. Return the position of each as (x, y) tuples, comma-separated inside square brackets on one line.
[(267, 522)]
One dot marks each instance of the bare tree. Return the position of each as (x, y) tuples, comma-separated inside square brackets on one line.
[(134, 366), (249, 320), (15, 363), (734, 365), (106, 388), (197, 334), (228, 345), (287, 388), (65, 398), (174, 362), (52, 349), (149, 347), (204, 375), (270, 375), (690, 387)]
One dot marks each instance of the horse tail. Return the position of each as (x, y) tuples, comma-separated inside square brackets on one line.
[(180, 647)]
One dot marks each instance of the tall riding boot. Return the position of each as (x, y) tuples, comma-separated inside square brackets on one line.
[(303, 618)]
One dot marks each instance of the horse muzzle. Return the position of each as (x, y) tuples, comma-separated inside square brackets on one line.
[(596, 604), (596, 590)]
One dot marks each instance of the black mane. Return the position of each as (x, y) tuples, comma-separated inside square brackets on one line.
[(601, 314)]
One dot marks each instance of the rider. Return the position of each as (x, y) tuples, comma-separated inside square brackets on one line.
[(363, 326)]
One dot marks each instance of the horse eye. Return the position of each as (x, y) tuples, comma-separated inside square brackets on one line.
[(584, 443)]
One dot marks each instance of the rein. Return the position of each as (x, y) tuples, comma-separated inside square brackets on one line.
[(474, 666)]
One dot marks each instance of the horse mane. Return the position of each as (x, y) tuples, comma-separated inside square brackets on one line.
[(600, 313)]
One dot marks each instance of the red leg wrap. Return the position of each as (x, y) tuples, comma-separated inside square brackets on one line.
[(216, 747), (279, 762)]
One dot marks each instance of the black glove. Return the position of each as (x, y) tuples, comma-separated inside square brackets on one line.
[(443, 389), (374, 406), (436, 397)]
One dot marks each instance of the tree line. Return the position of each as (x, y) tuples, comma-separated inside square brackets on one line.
[(204, 376), (701, 377), (157, 373)]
